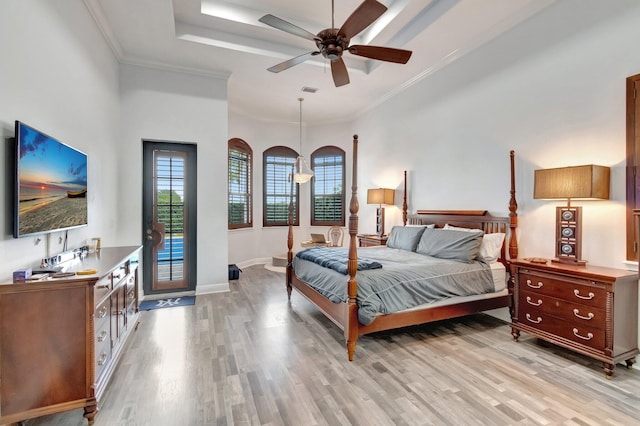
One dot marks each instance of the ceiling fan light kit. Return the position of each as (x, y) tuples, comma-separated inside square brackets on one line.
[(332, 42)]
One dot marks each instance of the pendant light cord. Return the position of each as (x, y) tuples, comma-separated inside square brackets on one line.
[(300, 153)]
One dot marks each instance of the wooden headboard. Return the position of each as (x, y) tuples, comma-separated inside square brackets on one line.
[(475, 219)]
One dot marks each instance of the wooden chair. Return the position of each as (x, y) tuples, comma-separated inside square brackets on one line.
[(335, 235)]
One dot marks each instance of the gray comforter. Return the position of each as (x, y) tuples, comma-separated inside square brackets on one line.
[(406, 279)]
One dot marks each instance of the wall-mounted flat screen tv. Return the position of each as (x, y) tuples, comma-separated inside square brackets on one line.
[(51, 184)]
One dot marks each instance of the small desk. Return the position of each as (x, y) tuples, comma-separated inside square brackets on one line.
[(365, 240)]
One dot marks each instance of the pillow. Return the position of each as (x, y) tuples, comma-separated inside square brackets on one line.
[(405, 238), (491, 246), (417, 225), (458, 228), (450, 244), (491, 243)]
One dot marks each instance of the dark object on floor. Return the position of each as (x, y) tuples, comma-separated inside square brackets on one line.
[(234, 272), (148, 305)]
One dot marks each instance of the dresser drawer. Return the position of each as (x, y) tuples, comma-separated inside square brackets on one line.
[(102, 311), (103, 355), (582, 334), (102, 288), (103, 332), (576, 313), (572, 290)]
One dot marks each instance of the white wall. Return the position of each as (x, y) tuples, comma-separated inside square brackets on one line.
[(177, 107), (58, 75), (553, 90), (258, 244)]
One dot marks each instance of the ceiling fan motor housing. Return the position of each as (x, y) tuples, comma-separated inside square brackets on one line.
[(330, 44)]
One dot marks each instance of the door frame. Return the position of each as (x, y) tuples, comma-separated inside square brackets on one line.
[(191, 191)]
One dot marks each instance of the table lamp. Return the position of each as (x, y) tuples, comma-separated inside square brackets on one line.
[(380, 196), (588, 182)]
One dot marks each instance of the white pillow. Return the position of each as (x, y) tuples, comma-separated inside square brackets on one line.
[(418, 225), (491, 246), (491, 243)]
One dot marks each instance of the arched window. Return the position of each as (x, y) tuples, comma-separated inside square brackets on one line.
[(240, 175), (278, 189), (327, 191)]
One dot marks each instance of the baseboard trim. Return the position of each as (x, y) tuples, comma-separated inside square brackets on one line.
[(212, 288), (251, 262)]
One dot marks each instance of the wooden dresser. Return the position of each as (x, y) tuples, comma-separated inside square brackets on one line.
[(591, 310), (61, 339)]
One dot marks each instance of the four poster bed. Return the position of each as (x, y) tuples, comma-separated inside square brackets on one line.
[(432, 269)]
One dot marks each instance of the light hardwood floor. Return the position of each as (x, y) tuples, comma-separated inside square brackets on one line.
[(248, 357)]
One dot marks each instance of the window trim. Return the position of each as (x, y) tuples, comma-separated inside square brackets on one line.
[(239, 145), (328, 150), (280, 151)]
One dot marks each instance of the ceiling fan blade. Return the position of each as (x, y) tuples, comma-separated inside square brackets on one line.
[(291, 62), (339, 72), (361, 18), (288, 27), (389, 54)]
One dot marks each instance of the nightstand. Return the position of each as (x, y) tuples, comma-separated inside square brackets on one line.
[(589, 309), (365, 240)]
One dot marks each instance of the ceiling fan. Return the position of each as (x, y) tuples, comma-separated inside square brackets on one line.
[(332, 42)]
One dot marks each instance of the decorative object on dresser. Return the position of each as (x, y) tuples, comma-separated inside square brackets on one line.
[(350, 308), (591, 310), (380, 196), (578, 182), (61, 339)]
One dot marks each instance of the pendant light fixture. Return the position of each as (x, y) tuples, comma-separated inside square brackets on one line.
[(303, 173)]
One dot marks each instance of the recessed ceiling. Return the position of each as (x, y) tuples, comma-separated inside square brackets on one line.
[(216, 37)]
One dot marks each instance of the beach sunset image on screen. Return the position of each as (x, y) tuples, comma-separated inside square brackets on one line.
[(51, 184)]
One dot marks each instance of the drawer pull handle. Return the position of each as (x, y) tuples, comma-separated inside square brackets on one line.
[(102, 336), (535, 321), (103, 312), (529, 301), (589, 335), (590, 316), (103, 358), (589, 297), (534, 286), (101, 286)]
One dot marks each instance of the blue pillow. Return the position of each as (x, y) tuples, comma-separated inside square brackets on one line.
[(450, 244), (405, 238)]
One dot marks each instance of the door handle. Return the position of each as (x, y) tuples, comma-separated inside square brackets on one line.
[(155, 234)]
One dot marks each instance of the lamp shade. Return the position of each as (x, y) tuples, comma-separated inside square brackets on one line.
[(582, 182), (303, 173), (380, 196)]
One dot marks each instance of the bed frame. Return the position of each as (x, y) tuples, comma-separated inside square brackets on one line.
[(345, 315)]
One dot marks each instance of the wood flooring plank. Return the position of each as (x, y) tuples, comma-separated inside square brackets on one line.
[(251, 357)]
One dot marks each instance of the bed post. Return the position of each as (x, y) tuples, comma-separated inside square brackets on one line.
[(404, 201), (351, 328), (513, 241), (290, 240), (513, 216)]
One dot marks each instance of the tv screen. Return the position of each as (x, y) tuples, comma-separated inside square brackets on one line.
[(51, 184)]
